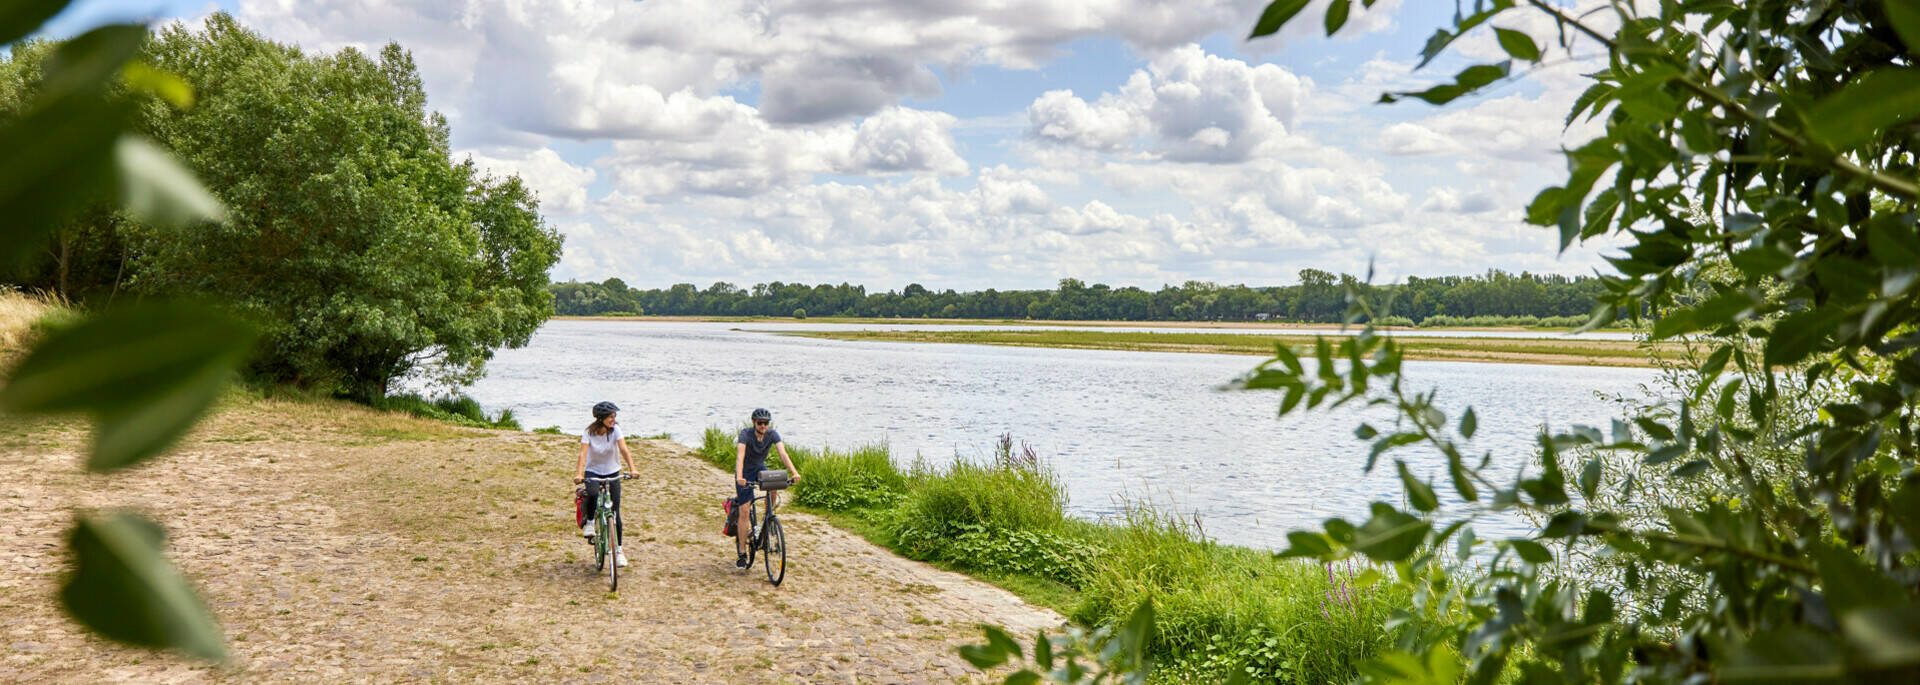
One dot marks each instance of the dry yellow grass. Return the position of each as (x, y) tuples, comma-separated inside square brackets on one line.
[(18, 313)]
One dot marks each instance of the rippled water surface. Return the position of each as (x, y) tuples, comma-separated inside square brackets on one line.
[(1115, 425)]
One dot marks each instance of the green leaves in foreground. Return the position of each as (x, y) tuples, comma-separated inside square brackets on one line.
[(1118, 651), (1275, 16), (123, 588), (23, 17), (1852, 116), (68, 148), (146, 372), (155, 189)]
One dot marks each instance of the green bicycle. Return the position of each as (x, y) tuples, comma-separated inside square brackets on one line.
[(606, 543)]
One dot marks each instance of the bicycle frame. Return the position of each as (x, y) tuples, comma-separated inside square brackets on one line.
[(764, 528), (606, 542), (604, 502), (758, 522)]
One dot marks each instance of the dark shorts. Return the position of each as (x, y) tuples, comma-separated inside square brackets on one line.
[(743, 495)]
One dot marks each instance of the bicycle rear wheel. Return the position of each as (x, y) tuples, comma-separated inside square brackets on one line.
[(753, 534), (776, 560)]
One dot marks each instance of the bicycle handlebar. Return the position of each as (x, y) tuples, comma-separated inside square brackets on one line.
[(623, 476)]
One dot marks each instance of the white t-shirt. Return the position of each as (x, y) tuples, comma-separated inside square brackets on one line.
[(603, 451)]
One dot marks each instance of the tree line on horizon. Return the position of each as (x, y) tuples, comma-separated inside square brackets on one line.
[(1320, 296)]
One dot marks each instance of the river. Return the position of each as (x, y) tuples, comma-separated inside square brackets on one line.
[(1117, 426)]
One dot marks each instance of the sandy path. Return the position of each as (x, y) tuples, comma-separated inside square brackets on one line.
[(297, 524)]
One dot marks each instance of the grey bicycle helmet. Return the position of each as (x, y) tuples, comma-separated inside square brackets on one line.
[(605, 409), (762, 415)]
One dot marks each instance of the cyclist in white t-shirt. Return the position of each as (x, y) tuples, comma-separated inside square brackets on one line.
[(602, 450)]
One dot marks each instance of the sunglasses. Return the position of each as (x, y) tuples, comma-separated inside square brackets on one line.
[(759, 423)]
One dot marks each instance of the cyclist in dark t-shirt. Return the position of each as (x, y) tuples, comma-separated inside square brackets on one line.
[(750, 456)]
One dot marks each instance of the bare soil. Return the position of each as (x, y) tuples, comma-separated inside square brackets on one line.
[(340, 545)]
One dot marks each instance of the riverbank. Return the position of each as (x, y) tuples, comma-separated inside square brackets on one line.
[(1226, 325), (1498, 350), (338, 543), (1221, 608)]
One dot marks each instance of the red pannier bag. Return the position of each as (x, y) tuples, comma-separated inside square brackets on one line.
[(579, 507), (729, 529)]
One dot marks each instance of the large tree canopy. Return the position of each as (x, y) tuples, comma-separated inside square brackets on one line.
[(355, 240)]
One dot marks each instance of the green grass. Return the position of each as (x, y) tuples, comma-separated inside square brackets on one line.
[(1221, 608), (457, 409), (1542, 351)]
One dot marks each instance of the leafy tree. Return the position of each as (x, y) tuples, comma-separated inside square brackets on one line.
[(362, 250)]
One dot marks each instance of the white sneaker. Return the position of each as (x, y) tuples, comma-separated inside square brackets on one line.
[(620, 559), (586, 531)]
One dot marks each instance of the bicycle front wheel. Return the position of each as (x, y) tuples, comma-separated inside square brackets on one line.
[(776, 558), (610, 546), (613, 570), (600, 542)]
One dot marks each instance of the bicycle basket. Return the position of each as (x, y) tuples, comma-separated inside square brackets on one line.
[(774, 479)]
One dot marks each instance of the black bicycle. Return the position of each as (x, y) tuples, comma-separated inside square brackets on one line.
[(766, 536)]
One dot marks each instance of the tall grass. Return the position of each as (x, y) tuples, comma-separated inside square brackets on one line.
[(1221, 608), (998, 518), (834, 480), (25, 317)]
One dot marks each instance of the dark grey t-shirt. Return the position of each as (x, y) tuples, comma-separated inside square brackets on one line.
[(756, 449)]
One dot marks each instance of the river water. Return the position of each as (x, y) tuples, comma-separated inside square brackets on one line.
[(1117, 426)]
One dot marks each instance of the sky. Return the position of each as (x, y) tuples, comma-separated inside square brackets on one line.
[(974, 144)]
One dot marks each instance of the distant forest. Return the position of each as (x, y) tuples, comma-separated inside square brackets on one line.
[(1494, 298)]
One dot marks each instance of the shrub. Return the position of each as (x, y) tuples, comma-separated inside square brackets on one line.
[(799, 313), (1054, 554)]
